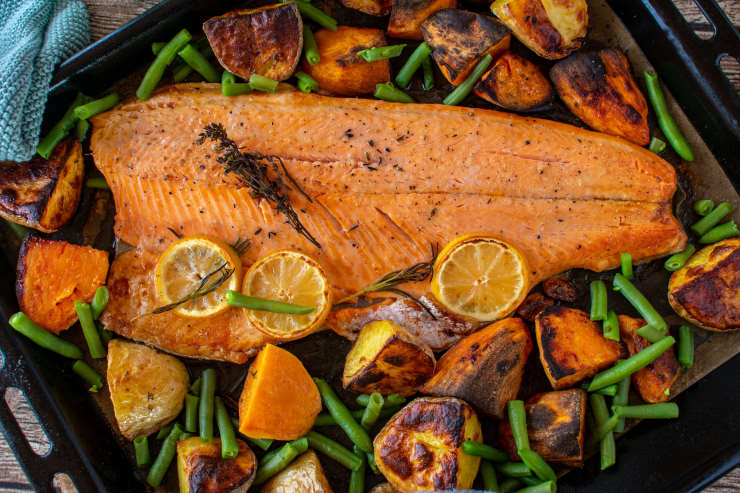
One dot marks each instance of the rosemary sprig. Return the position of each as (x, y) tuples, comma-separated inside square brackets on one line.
[(241, 246), (203, 289)]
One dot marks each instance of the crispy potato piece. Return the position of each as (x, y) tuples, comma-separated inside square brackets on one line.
[(653, 381), (147, 388), (532, 305), (384, 488), (51, 275), (514, 83), (372, 7), (304, 474), (408, 15), (340, 70), (599, 89), (420, 448), (280, 399), (556, 425), (705, 290), (572, 347), (486, 368), (459, 39), (385, 358), (551, 28), (201, 469), (266, 41), (43, 194), (560, 289)]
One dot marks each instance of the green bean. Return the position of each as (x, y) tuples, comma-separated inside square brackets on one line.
[(377, 53), (656, 145), (261, 443), (326, 419), (164, 457), (513, 469), (332, 449), (627, 266), (388, 92), (393, 400), (685, 347), (97, 182), (198, 62), (99, 301), (268, 456), (600, 431), (61, 129), (510, 485), (675, 262), (343, 417), (141, 449), (703, 207), (229, 86), (195, 387), (87, 110), (205, 409), (372, 411), (462, 91), (89, 375), (316, 15), (371, 462), (428, 82), (537, 464), (546, 487), (90, 330), (181, 72), (662, 410), (601, 417), (719, 233), (413, 63), (262, 83), (530, 481), (598, 300), (649, 333), (191, 413), (632, 364), (310, 48), (357, 477), (157, 47), (105, 335), (665, 120), (234, 298), (485, 451), (712, 219), (165, 430), (165, 57), (610, 390), (280, 460), (18, 230), (306, 83), (81, 129), (229, 445), (518, 422), (488, 474), (638, 300), (621, 399), (20, 322), (611, 326)]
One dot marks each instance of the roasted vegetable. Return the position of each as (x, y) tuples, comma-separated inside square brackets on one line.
[(560, 289), (40, 193), (552, 29), (384, 488), (485, 368), (147, 388), (304, 475), (372, 7), (514, 83), (51, 275), (265, 41), (460, 39), (599, 89), (385, 358), (653, 382), (572, 347), (408, 15), (340, 70), (556, 425), (279, 399), (420, 448), (201, 469), (705, 290), (532, 305)]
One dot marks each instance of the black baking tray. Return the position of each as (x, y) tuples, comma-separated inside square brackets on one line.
[(673, 456)]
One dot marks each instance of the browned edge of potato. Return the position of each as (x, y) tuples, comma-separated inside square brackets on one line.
[(408, 15), (200, 467), (372, 7), (514, 83), (304, 475)]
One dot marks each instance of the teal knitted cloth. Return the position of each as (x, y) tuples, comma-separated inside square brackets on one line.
[(35, 35)]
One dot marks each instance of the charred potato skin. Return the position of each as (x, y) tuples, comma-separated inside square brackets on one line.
[(485, 368), (704, 291), (372, 7), (247, 41), (532, 305), (304, 474), (599, 89), (514, 83), (43, 194), (408, 15), (406, 461), (202, 470), (560, 289)]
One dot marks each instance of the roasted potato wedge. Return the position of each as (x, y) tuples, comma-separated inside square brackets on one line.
[(514, 83), (420, 448), (147, 388), (43, 193), (51, 275), (340, 71), (532, 305), (385, 358), (551, 28), (304, 475), (705, 290), (201, 469), (653, 382), (407, 16), (599, 89), (556, 425), (459, 39), (383, 488), (485, 368), (372, 7), (560, 289), (266, 41), (572, 347)]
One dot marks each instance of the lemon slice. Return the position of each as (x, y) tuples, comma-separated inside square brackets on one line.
[(291, 277), (182, 268), (480, 277)]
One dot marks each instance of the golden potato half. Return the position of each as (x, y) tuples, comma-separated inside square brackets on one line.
[(200, 468), (304, 475)]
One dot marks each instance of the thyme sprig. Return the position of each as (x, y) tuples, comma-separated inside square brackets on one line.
[(202, 289)]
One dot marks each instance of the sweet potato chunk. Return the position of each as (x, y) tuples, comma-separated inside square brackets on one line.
[(514, 83), (653, 382), (459, 39), (572, 347), (599, 89), (372, 7), (279, 399), (304, 474), (385, 358), (200, 467), (51, 275), (408, 15), (340, 70), (43, 193), (485, 368), (266, 41)]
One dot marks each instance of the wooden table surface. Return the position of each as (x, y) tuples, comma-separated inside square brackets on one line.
[(107, 15)]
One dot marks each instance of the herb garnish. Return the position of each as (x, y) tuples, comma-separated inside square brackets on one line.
[(203, 289)]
